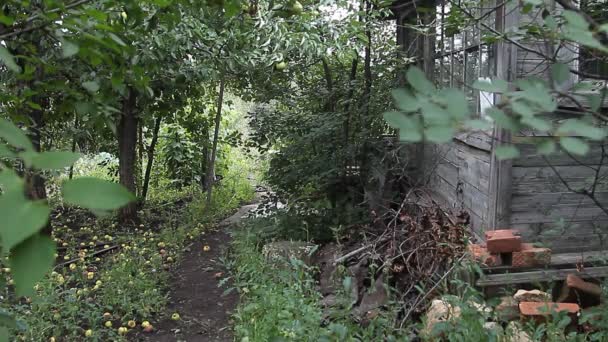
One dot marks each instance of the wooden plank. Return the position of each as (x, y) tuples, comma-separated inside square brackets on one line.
[(570, 237), (448, 172), (544, 201), (500, 187), (529, 156), (474, 171), (582, 257), (544, 179), (477, 139), (540, 276), (499, 207)]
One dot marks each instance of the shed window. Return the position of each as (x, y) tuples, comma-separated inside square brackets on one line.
[(592, 62), (463, 53)]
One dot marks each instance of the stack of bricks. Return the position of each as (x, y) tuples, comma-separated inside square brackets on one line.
[(505, 248)]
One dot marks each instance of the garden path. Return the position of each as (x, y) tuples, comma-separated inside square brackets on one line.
[(203, 308)]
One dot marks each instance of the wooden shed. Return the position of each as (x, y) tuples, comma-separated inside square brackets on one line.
[(542, 196)]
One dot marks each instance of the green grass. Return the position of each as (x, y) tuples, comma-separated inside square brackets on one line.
[(281, 303), (129, 283)]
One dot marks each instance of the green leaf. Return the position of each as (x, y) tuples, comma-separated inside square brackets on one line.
[(536, 123), (54, 160), (546, 147), (405, 101), (417, 79), (409, 127), (494, 86), (116, 39), (7, 320), (5, 152), (91, 86), (506, 152), (439, 134), (581, 128), (93, 193), (4, 334), (574, 145), (69, 49), (30, 261), (10, 181), (576, 20), (395, 119), (479, 124), (6, 20), (456, 103), (14, 136), (7, 58), (523, 109), (21, 218), (560, 72), (501, 119)]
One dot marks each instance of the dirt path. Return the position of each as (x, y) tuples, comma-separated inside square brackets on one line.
[(205, 312)]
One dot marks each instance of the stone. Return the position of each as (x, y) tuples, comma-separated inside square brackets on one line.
[(508, 309), (530, 256), (439, 311), (481, 255), (377, 297), (329, 301), (540, 311), (324, 259), (577, 290), (515, 333), (284, 250), (503, 241), (493, 327), (531, 296)]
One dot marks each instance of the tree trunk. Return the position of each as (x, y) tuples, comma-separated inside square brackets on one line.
[(73, 145), (34, 181), (144, 191), (211, 166), (127, 141), (346, 124), (330, 105), (140, 158)]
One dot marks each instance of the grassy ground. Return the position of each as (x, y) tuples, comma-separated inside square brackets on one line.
[(111, 280), (281, 302)]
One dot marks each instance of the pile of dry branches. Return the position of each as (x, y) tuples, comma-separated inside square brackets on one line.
[(415, 245)]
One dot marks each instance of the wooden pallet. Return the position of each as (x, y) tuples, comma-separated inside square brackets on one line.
[(561, 266)]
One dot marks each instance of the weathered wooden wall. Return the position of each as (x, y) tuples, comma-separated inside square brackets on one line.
[(542, 207), (545, 210), (459, 176)]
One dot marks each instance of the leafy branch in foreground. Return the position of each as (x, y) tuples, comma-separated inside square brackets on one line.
[(30, 252)]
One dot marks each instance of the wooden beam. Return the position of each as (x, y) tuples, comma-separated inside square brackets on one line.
[(540, 276), (499, 210)]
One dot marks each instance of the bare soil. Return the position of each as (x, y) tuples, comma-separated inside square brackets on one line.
[(196, 295)]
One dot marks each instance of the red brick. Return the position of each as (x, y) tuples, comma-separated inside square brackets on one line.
[(501, 232), (530, 256), (481, 255), (539, 311), (503, 241)]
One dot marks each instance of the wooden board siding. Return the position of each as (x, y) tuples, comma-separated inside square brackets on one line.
[(459, 179), (535, 52), (544, 209)]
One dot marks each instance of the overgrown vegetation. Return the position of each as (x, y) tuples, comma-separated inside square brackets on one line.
[(109, 276), (124, 135), (279, 300)]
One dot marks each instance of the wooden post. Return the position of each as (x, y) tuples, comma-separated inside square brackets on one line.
[(501, 171)]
